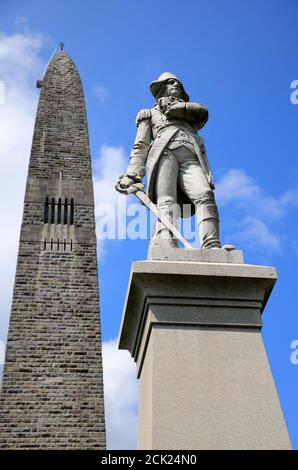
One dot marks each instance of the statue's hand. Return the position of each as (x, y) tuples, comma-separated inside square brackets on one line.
[(176, 110), (123, 184)]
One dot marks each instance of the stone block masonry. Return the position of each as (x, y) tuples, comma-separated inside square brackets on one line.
[(52, 389)]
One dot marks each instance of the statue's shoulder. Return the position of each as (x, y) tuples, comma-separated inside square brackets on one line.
[(143, 114), (201, 143)]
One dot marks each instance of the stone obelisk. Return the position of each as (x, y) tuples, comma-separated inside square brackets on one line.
[(52, 389)]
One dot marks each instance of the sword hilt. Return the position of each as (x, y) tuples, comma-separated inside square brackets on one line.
[(133, 188)]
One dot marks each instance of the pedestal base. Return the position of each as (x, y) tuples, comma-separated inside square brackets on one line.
[(205, 382)]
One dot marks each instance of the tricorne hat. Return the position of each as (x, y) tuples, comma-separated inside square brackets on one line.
[(155, 86)]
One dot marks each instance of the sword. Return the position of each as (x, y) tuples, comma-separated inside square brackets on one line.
[(138, 190)]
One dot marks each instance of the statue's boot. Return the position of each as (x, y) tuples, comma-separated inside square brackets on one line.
[(161, 236), (208, 222)]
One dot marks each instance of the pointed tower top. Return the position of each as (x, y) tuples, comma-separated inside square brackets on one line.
[(61, 124), (60, 71), (59, 63)]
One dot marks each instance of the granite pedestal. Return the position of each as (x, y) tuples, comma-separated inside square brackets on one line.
[(194, 331)]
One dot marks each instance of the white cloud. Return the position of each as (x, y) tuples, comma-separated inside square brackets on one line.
[(254, 232), (20, 61), (111, 163), (239, 188), (2, 92), (110, 206), (20, 66), (235, 184), (2, 352), (101, 92), (257, 212), (121, 396), (289, 198)]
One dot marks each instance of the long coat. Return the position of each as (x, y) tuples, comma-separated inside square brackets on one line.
[(154, 133)]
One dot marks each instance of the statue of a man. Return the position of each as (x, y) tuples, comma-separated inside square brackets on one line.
[(176, 164)]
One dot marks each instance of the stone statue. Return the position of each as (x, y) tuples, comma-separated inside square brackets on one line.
[(177, 168)]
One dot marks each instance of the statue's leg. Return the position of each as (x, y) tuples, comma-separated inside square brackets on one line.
[(194, 183), (166, 196), (208, 221)]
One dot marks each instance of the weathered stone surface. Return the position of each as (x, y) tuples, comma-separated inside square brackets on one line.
[(52, 390), (194, 331), (200, 256)]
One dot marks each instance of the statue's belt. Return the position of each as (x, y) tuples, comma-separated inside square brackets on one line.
[(172, 125), (163, 138)]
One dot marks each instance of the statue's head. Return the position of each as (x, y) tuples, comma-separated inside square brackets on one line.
[(168, 85)]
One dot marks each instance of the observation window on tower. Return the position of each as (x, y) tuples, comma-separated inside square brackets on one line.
[(58, 212), (46, 211), (65, 212), (71, 212), (53, 211)]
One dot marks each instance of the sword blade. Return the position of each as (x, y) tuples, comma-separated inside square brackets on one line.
[(152, 207)]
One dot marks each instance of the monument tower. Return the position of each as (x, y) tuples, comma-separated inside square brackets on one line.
[(52, 390)]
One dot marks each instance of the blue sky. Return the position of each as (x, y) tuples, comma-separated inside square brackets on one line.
[(238, 58)]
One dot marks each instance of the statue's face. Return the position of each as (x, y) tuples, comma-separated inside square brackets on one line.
[(172, 88)]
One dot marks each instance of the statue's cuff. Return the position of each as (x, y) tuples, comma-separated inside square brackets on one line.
[(135, 177)]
